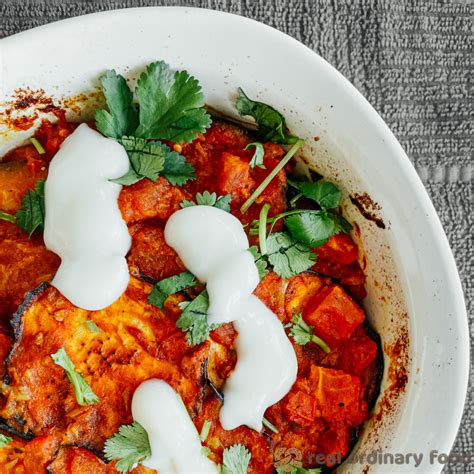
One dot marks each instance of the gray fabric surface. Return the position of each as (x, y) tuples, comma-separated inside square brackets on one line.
[(411, 59)]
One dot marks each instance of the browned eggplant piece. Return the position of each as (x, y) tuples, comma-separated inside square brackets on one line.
[(128, 350)]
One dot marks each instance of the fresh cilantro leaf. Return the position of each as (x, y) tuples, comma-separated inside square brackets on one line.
[(4, 216), (288, 256), (325, 193), (31, 215), (193, 319), (122, 118), (257, 158), (82, 390), (92, 326), (147, 160), (209, 199), (235, 460), (129, 446), (4, 440), (303, 333), (171, 104), (271, 123), (290, 469), (177, 170), (169, 286), (206, 427), (314, 228), (259, 261), (38, 147)]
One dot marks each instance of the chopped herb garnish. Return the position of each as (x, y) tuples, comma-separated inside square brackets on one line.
[(122, 117), (4, 440), (291, 469), (257, 158), (82, 390), (129, 446), (177, 170), (325, 193), (262, 228), (209, 199), (31, 215), (303, 333), (193, 319), (39, 148), (92, 326), (269, 425), (4, 216), (259, 261), (235, 460), (271, 175), (271, 123), (169, 286), (171, 105), (206, 427), (288, 256)]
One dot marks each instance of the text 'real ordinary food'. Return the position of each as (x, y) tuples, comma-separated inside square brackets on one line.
[(177, 295)]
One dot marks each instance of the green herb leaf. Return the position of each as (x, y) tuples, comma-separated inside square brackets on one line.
[(129, 446), (171, 104), (193, 319), (271, 123), (169, 286), (290, 469), (314, 228), (257, 158), (325, 193), (177, 170), (31, 215), (288, 257), (39, 148), (122, 118), (82, 390), (4, 216), (206, 427), (92, 326), (303, 333), (236, 460), (4, 440), (259, 261), (209, 199)]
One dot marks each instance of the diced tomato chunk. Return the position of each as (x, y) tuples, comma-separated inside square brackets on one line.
[(338, 395), (356, 354), (333, 314), (339, 248), (301, 408)]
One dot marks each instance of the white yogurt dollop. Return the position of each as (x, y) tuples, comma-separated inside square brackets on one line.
[(212, 244), (83, 224), (174, 440)]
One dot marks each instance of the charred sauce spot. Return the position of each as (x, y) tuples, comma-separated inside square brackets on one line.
[(368, 208)]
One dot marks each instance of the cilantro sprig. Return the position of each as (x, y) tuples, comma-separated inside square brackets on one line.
[(235, 460), (258, 154), (193, 319), (209, 199), (260, 261), (4, 440), (31, 215), (82, 390), (169, 286), (271, 123), (129, 446), (303, 333)]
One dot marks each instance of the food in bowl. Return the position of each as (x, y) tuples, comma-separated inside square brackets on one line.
[(208, 268)]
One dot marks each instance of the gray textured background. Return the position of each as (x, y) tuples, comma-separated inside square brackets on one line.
[(411, 59)]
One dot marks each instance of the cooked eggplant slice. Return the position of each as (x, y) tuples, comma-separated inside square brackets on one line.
[(133, 345)]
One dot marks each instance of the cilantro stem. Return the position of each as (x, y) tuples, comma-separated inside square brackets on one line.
[(262, 228), (206, 427), (291, 152), (293, 201), (5, 216), (317, 340), (38, 146), (269, 425)]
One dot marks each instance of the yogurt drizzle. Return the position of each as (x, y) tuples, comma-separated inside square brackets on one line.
[(212, 244), (83, 224)]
